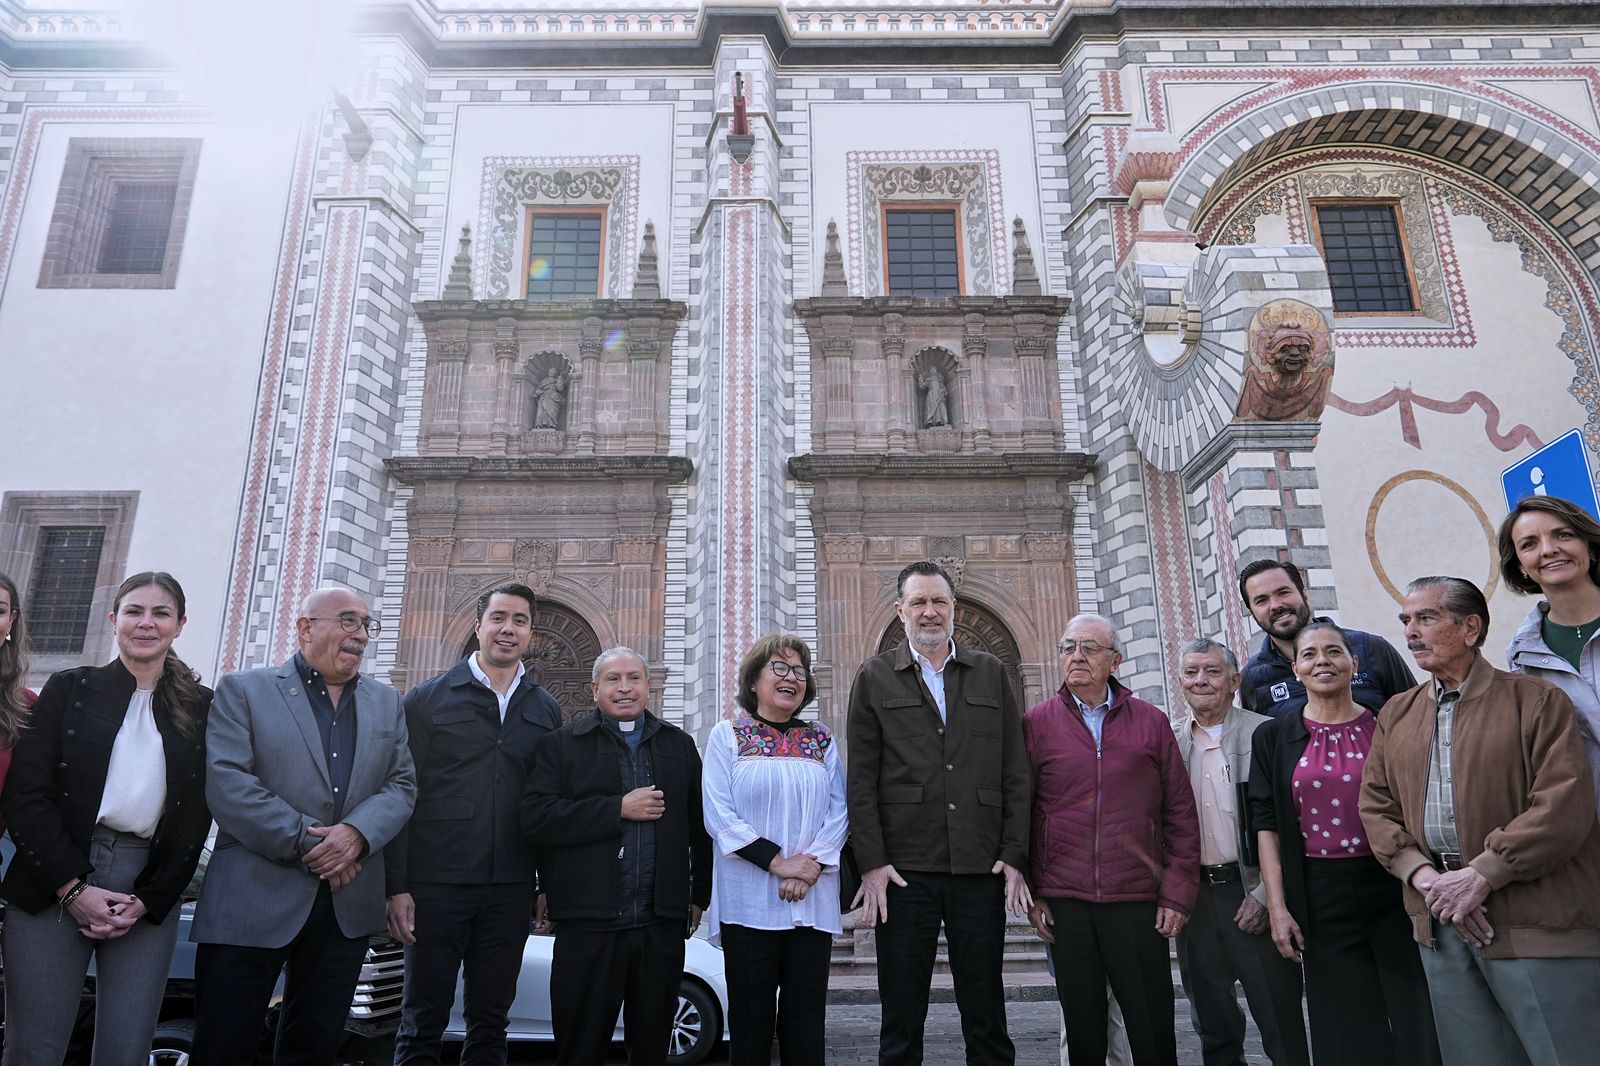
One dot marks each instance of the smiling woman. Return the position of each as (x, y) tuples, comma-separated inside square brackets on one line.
[(775, 806), (1552, 546), (106, 797)]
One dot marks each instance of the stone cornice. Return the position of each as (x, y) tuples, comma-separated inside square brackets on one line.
[(547, 311), (414, 469), (917, 307), (816, 467)]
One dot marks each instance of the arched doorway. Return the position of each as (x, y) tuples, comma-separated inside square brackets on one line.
[(976, 627), (561, 657)]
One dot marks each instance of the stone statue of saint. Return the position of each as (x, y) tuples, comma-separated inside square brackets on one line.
[(548, 396), (935, 398)]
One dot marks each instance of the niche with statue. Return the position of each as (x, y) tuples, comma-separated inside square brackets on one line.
[(549, 384), (934, 375)]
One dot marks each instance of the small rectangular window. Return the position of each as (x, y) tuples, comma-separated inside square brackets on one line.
[(61, 595), (1364, 248), (923, 251), (137, 228), (564, 251)]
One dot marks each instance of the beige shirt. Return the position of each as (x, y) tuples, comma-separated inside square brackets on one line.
[(1213, 797)]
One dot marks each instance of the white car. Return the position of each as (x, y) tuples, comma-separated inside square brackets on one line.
[(696, 1028)]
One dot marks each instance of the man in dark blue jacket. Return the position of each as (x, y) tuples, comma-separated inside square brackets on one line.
[(613, 804), (460, 875), (1275, 594)]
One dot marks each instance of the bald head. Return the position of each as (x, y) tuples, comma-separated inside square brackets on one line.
[(332, 631)]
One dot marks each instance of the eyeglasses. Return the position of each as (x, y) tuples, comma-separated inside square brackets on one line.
[(1088, 647), (352, 622), (783, 669)]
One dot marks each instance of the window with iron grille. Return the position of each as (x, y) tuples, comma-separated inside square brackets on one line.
[(135, 240), (1366, 256), (61, 595), (121, 213), (922, 252), (564, 255)]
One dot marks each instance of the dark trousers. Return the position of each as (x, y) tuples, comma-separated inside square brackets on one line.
[(477, 931), (777, 981), (1213, 955), (594, 973), (1116, 944), (233, 985), (972, 910), (1365, 989)]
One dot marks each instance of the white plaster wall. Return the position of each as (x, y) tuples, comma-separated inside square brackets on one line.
[(71, 359), (1425, 526), (567, 129), (852, 125)]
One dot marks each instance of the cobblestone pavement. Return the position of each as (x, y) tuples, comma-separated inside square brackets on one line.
[(853, 1037)]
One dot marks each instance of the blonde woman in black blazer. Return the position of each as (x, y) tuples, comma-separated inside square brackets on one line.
[(106, 804)]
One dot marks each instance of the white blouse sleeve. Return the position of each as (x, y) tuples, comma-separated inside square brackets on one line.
[(836, 825), (716, 786)]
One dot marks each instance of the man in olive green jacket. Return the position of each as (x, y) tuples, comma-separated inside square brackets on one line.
[(1478, 796), (938, 796)]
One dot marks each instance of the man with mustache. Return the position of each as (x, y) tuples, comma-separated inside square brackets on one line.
[(461, 878), (308, 776), (1275, 593), (1478, 796), (938, 796)]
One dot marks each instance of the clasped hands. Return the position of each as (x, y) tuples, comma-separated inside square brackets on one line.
[(103, 915), (796, 874), (334, 858), (1456, 898)]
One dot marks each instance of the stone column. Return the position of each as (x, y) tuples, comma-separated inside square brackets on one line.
[(505, 373), (427, 607), (638, 558), (974, 348), (441, 398), (588, 386), (896, 378)]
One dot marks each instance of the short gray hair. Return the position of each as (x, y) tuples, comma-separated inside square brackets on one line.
[(616, 653), (1099, 619), (1461, 598), (1207, 646)]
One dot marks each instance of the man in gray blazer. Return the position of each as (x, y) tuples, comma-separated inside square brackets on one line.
[(308, 777), (1225, 939)]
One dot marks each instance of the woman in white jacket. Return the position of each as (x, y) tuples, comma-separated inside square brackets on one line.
[(774, 799), (1552, 546)]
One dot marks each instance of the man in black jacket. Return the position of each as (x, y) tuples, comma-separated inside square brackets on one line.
[(460, 876), (613, 804)]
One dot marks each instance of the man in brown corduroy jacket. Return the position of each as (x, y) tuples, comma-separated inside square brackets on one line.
[(1478, 796)]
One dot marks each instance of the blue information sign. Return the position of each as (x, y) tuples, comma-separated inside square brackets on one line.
[(1560, 468)]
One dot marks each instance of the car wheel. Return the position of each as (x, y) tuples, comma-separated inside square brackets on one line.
[(696, 1026), (171, 1043)]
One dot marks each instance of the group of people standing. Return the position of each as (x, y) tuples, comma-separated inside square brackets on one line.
[(1421, 860)]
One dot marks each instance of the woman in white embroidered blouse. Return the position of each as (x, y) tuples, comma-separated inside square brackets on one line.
[(775, 805)]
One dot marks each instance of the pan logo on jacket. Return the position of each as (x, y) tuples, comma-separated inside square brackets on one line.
[(1280, 691)]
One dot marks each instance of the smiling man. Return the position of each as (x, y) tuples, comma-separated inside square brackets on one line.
[(1224, 942), (460, 877), (308, 777), (613, 804), (1274, 591), (938, 797), (1477, 795)]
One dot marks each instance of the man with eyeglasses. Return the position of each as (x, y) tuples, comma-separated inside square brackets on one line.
[(308, 776), (1115, 860), (938, 797)]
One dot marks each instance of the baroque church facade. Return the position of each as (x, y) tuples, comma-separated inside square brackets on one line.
[(705, 319)]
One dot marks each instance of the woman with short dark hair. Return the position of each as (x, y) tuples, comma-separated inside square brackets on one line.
[(106, 804), (1552, 546), (774, 797), (1333, 907)]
